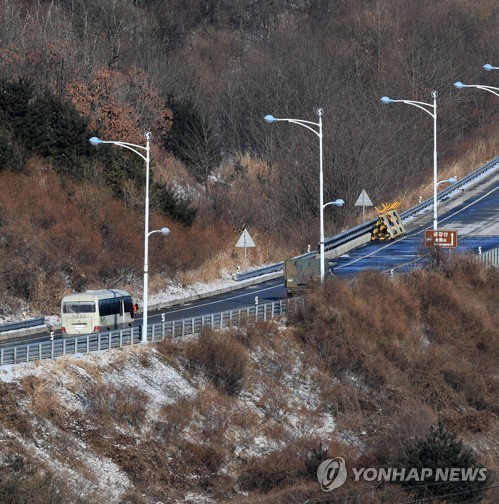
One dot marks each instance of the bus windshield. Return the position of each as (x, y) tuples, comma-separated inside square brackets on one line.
[(79, 307)]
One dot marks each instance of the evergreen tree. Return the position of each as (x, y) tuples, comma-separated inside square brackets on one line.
[(172, 204), (192, 140), (441, 450), (15, 97), (53, 128), (14, 107)]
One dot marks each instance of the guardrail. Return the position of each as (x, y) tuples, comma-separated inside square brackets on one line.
[(367, 227), (22, 324), (155, 332), (422, 207), (489, 258), (346, 236)]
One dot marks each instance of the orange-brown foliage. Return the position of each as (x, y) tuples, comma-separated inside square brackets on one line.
[(122, 105), (400, 352)]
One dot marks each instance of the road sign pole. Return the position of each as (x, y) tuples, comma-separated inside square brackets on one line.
[(363, 200), (245, 241)]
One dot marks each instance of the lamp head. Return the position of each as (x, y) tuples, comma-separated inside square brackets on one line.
[(450, 180), (165, 231), (459, 85), (269, 119), (95, 141), (488, 67), (385, 99), (338, 202)]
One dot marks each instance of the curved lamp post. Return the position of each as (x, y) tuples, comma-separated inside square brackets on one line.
[(144, 153), (450, 180), (489, 67), (164, 231), (317, 129), (490, 89), (338, 202), (431, 109)]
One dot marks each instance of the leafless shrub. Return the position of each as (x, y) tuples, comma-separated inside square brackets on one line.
[(168, 350), (24, 480), (125, 405), (177, 415), (394, 354), (43, 401), (13, 415), (275, 470), (257, 333), (203, 457), (139, 459), (222, 359), (214, 408)]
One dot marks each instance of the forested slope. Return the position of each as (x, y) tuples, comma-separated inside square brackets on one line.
[(200, 75)]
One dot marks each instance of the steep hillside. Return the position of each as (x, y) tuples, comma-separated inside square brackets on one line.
[(248, 414), (200, 76)]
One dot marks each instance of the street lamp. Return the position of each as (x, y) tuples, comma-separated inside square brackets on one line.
[(164, 231), (490, 89), (139, 149), (338, 202), (489, 67), (429, 108), (312, 127), (450, 180)]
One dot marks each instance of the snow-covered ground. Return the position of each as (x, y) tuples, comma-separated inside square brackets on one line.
[(282, 407)]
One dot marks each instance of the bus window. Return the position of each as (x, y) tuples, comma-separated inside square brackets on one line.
[(96, 310), (109, 307), (128, 306), (78, 307)]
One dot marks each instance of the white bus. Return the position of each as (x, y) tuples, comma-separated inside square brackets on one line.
[(96, 311)]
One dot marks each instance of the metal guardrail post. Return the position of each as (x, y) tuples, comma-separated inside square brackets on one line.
[(182, 327)]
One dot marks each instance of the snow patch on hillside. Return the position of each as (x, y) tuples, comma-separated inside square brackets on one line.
[(280, 403)]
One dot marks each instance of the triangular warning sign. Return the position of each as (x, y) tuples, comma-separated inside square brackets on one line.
[(245, 240), (363, 199)]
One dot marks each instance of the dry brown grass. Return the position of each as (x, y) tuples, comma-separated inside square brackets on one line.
[(464, 162), (393, 355), (44, 402), (103, 253), (13, 415), (221, 358), (24, 479), (125, 406), (384, 362)]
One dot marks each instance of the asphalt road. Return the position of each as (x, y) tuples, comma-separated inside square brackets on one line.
[(266, 292), (273, 290), (474, 215)]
